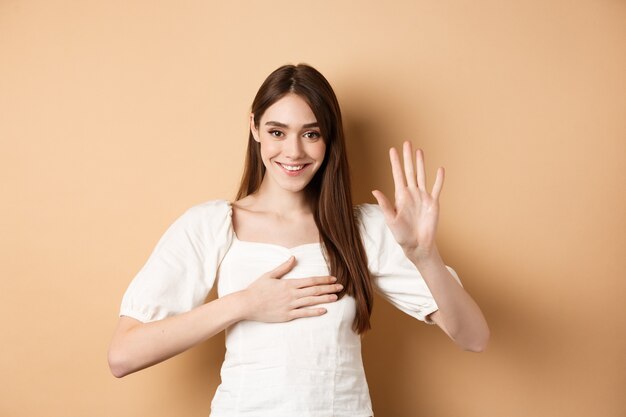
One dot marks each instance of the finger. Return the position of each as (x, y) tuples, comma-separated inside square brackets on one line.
[(409, 171), (283, 268), (441, 174), (388, 209), (314, 300), (396, 170), (318, 290), (421, 172), (299, 313), (311, 281)]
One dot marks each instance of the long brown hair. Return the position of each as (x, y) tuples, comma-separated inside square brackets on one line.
[(329, 190)]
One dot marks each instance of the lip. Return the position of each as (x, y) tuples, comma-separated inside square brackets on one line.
[(292, 173)]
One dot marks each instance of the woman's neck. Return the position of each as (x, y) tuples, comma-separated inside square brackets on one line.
[(280, 201)]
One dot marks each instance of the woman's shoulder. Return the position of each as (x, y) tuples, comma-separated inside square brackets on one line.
[(371, 223), (369, 213), (210, 208), (211, 205), (212, 214)]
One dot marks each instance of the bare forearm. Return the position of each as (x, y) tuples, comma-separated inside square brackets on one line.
[(458, 314), (136, 345)]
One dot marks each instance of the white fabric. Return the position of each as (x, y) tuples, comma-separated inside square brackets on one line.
[(308, 367)]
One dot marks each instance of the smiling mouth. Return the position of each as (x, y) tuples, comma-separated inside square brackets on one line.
[(292, 168)]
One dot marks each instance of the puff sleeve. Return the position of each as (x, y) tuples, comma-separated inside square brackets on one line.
[(182, 268), (394, 276)]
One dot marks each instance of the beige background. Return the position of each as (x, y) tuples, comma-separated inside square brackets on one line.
[(116, 116)]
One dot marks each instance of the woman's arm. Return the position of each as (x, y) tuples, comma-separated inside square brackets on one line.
[(413, 220), (458, 316), (138, 345)]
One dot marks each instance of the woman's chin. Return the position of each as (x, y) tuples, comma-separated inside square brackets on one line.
[(293, 185)]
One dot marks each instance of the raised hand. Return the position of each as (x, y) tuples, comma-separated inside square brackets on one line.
[(413, 217), (272, 299)]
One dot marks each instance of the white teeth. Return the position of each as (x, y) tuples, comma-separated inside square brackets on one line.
[(292, 167)]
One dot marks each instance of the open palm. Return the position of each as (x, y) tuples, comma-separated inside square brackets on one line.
[(413, 217)]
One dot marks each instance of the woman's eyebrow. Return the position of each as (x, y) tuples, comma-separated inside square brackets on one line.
[(279, 124)]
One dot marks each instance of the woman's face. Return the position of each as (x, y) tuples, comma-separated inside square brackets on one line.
[(292, 147)]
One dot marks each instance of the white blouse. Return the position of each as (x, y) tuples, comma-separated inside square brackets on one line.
[(308, 367)]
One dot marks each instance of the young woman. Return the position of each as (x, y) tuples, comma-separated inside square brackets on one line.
[(296, 266)]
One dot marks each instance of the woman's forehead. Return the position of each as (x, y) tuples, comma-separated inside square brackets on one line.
[(290, 110)]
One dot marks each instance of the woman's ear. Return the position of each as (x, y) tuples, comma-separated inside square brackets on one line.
[(253, 129)]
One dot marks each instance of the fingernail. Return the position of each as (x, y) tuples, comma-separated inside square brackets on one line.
[(340, 286), (333, 279)]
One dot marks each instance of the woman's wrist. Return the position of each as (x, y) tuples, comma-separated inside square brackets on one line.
[(422, 256), (242, 305)]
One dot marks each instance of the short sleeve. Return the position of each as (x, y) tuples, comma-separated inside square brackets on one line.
[(394, 276), (182, 268)]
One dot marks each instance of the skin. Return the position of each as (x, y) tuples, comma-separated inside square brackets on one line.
[(287, 135)]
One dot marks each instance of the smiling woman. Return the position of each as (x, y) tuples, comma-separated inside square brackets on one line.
[(295, 265)]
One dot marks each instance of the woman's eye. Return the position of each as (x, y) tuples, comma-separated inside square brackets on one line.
[(276, 133), (312, 135)]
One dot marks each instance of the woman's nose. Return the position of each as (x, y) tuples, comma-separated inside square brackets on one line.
[(293, 147)]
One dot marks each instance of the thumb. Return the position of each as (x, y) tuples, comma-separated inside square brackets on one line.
[(385, 205), (283, 268)]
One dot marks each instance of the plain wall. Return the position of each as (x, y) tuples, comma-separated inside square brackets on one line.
[(116, 116)]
